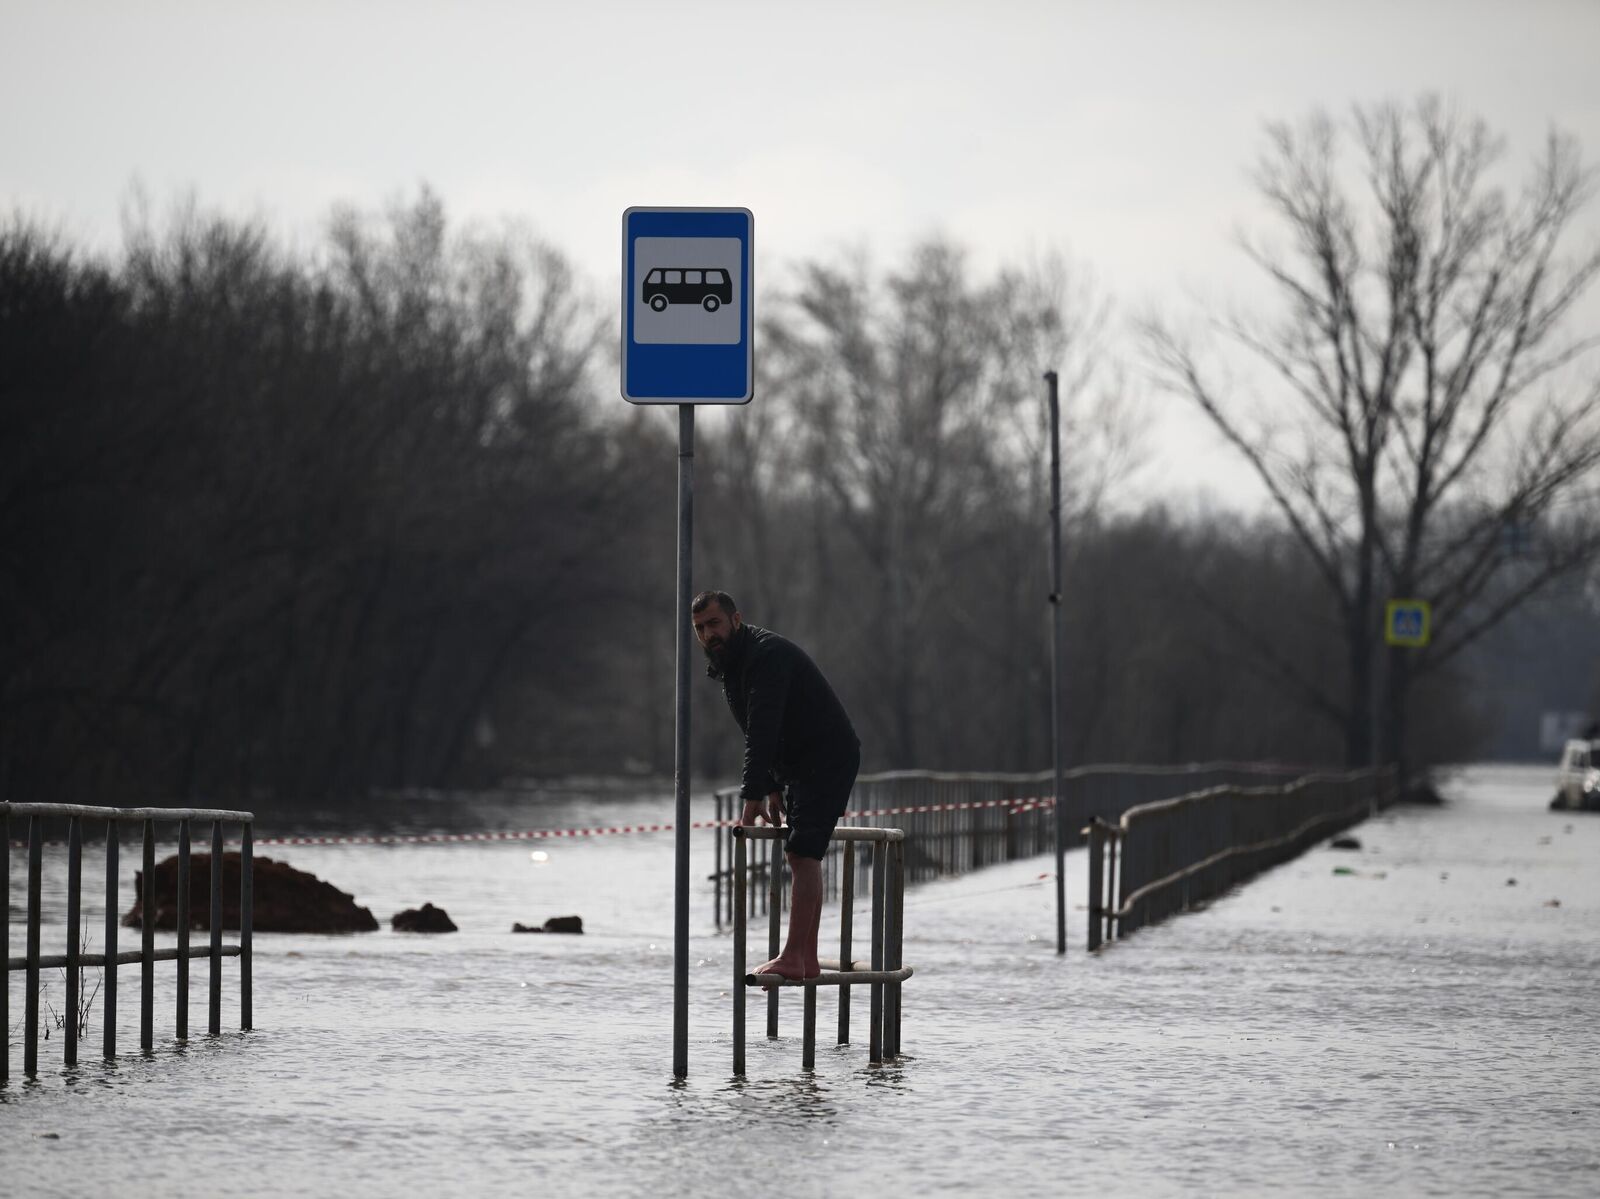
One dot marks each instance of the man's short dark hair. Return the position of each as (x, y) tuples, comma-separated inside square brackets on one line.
[(703, 601)]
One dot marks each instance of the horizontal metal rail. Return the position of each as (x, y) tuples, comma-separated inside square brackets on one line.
[(60, 961), (767, 833), (122, 815), (831, 978), (74, 961)]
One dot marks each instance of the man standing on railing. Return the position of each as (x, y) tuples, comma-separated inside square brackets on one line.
[(796, 735)]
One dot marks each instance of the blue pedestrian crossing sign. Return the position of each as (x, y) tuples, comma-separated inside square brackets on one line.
[(1407, 622), (687, 310)]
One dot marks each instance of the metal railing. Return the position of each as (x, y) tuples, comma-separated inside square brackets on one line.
[(1176, 853), (74, 960), (962, 822), (886, 971)]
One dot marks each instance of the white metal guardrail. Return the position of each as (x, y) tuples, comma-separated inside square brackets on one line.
[(1175, 853), (884, 974), (73, 961)]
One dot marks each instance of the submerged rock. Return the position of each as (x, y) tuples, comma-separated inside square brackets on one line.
[(426, 919), (284, 900), (556, 924), (1422, 792)]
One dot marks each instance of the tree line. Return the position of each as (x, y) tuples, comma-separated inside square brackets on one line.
[(289, 526)]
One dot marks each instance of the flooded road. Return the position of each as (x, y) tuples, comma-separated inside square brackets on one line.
[(1416, 1017)]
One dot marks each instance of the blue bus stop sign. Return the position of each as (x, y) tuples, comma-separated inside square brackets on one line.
[(1407, 622), (687, 306)]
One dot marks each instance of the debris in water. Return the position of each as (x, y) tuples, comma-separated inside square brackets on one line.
[(1343, 870), (1344, 843), (1511, 882), (426, 919), (1552, 903)]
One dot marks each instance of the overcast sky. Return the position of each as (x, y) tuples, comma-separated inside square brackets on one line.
[(1121, 133)]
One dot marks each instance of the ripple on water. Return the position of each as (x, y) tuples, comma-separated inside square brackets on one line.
[(1239, 1050)]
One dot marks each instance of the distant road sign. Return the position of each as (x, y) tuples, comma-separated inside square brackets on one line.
[(687, 311), (1407, 622)]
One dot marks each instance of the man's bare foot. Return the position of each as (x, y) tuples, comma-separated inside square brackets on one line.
[(788, 967)]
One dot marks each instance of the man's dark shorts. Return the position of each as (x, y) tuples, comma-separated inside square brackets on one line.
[(814, 805)]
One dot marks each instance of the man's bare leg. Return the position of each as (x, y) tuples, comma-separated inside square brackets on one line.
[(799, 956)]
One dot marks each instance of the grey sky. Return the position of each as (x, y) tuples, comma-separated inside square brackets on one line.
[(1121, 133)]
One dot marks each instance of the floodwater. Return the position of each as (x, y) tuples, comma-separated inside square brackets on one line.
[(1424, 1025)]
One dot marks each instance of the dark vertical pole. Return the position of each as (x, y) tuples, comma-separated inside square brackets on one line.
[(74, 934), (774, 916), (808, 1030), (30, 1005), (875, 1040), (680, 753), (892, 949), (1055, 659), (1113, 852), (181, 1016), (246, 920), (108, 1035), (847, 899), (716, 873), (5, 949), (740, 896), (147, 943), (215, 1023), (1097, 846)]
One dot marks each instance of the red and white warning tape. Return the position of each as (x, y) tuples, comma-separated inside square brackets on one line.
[(541, 834)]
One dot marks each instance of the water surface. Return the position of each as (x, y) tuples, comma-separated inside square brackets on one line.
[(1422, 1026)]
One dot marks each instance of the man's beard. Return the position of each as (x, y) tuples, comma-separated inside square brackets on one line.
[(717, 655)]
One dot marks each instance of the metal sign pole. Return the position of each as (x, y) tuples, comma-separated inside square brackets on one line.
[(1055, 660), (680, 752)]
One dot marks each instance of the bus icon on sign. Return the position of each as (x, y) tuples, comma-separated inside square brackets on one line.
[(1407, 622), (709, 287)]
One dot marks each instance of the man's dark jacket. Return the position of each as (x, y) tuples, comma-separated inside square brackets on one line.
[(795, 728)]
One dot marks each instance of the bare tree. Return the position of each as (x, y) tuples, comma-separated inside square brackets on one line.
[(1429, 410), (915, 402)]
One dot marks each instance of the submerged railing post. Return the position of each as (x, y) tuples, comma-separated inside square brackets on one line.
[(30, 1003), (5, 947), (1097, 848), (1113, 855), (716, 874), (181, 1016), (847, 899), (774, 914), (74, 936), (108, 1033), (246, 920), (879, 873), (216, 928), (893, 950), (147, 943), (808, 1030)]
